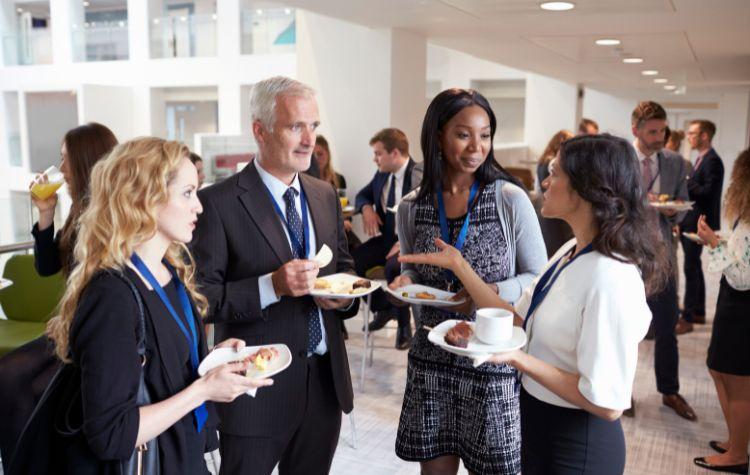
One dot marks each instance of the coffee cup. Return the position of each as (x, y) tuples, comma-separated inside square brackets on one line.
[(494, 325)]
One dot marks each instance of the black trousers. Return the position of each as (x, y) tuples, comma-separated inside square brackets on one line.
[(695, 284), (561, 441), (665, 314), (372, 253), (307, 450)]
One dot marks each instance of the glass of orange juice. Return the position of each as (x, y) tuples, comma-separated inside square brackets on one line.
[(47, 184), (342, 197)]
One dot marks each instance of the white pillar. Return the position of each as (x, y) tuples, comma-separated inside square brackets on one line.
[(67, 21), (228, 28), (230, 108), (138, 30)]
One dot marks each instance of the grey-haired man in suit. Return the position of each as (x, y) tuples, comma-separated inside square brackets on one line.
[(253, 246), (663, 174)]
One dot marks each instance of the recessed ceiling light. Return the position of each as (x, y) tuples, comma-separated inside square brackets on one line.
[(670, 87), (649, 72), (557, 6), (661, 80), (607, 42), (288, 11), (86, 4), (632, 60), (19, 10)]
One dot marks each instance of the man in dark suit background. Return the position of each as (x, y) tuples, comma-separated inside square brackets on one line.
[(662, 173), (704, 187), (253, 246), (397, 175)]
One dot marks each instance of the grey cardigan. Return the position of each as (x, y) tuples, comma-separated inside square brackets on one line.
[(520, 227)]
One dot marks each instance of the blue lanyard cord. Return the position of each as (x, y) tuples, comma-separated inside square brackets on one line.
[(445, 231), (305, 246), (548, 279), (192, 337)]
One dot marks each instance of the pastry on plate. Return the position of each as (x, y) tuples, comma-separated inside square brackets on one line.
[(459, 335), (361, 283), (425, 296), (322, 284), (262, 357)]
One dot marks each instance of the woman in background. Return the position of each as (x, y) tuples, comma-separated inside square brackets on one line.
[(729, 351), (550, 152)]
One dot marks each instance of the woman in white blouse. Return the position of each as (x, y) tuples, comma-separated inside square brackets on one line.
[(586, 313), (729, 352)]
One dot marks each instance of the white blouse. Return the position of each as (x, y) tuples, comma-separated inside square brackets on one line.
[(590, 324), (732, 257)]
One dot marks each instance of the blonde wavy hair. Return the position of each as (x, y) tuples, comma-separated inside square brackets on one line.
[(127, 188)]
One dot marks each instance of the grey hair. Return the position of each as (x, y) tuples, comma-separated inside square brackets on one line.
[(265, 92)]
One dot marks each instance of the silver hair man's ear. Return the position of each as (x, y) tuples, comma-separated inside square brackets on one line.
[(265, 92)]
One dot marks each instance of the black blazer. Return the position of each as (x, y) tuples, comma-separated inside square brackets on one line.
[(371, 193), (46, 250), (240, 238), (704, 187), (103, 344)]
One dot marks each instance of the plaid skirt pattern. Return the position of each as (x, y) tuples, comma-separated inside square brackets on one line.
[(449, 410)]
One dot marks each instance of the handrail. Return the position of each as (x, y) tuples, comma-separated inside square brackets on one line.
[(15, 247)]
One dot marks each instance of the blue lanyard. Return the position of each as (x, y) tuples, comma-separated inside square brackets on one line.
[(304, 246), (547, 280), (445, 232), (200, 412)]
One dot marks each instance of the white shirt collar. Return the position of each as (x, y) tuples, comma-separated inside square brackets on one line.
[(641, 155), (274, 185), (401, 171)]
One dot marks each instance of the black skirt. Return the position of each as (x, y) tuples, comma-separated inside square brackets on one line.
[(729, 351)]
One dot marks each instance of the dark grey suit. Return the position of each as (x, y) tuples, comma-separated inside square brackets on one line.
[(240, 238), (664, 308)]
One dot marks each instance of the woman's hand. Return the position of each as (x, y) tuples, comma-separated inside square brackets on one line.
[(224, 383), (400, 281), (448, 258), (706, 234), (46, 207), (510, 357)]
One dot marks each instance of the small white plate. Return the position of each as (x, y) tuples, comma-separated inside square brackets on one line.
[(442, 297), (324, 256), (348, 209), (5, 283), (220, 356), (476, 348), (341, 285), (673, 205)]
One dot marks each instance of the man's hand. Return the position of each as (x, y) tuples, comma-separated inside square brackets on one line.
[(295, 278), (668, 212), (331, 304), (395, 249), (347, 226), (371, 221)]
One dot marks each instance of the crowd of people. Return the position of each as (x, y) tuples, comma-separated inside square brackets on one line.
[(584, 262)]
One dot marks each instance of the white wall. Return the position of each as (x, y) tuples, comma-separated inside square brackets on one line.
[(408, 86), (612, 113), (550, 107), (49, 116), (113, 106)]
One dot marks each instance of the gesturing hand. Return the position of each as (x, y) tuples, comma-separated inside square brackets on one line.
[(371, 221)]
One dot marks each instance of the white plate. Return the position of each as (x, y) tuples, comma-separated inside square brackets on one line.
[(220, 356), (681, 206), (442, 297), (339, 285), (476, 348), (5, 283), (324, 256), (348, 209)]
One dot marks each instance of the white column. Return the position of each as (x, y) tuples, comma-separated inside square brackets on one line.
[(408, 86), (138, 30), (8, 27), (67, 21), (24, 130), (228, 30), (230, 108)]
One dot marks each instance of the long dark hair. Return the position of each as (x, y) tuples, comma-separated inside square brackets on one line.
[(604, 171), (442, 109), (85, 145)]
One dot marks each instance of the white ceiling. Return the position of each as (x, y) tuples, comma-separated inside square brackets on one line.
[(701, 45)]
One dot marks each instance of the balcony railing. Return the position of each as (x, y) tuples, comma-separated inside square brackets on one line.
[(183, 36), (32, 47), (268, 31), (101, 42)]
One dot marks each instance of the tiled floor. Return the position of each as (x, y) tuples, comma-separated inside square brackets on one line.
[(658, 442)]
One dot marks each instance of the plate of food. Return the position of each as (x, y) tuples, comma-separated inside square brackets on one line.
[(663, 202), (424, 295), (343, 286), (457, 337), (266, 360)]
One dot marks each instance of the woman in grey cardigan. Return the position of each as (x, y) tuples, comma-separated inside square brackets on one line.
[(452, 411)]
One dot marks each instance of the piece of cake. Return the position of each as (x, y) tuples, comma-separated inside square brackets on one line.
[(322, 284), (361, 283), (459, 335)]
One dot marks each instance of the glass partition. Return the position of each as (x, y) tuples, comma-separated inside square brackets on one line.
[(268, 30)]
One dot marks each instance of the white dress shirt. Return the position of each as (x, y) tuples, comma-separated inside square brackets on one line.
[(656, 187), (265, 284), (399, 182), (589, 324)]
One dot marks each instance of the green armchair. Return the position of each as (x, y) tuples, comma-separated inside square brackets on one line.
[(28, 303)]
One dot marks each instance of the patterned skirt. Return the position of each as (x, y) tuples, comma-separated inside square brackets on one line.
[(451, 410)]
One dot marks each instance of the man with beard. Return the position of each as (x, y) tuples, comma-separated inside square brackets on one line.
[(662, 174)]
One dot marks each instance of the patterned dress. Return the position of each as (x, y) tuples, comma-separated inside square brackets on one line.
[(449, 406)]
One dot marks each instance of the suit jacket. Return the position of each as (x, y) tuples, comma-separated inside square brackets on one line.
[(240, 238), (704, 187), (371, 193), (672, 182)]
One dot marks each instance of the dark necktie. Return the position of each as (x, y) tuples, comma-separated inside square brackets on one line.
[(389, 226), (294, 225)]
